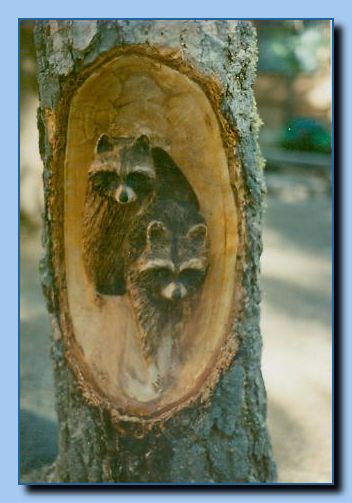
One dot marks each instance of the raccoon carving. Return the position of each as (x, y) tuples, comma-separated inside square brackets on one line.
[(167, 265), (125, 177)]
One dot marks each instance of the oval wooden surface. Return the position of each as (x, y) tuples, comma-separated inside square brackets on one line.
[(129, 96)]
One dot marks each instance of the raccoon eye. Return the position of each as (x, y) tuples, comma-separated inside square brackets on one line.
[(104, 181), (139, 182), (191, 276), (164, 274)]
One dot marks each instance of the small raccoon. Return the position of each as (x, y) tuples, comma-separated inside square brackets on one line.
[(167, 264), (125, 177)]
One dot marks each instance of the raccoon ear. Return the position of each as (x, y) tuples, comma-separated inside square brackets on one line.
[(198, 233), (156, 232), (143, 143), (104, 144)]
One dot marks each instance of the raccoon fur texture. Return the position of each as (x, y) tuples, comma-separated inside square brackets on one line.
[(125, 177), (167, 262)]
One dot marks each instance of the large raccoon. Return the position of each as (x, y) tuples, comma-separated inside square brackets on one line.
[(124, 178), (167, 264)]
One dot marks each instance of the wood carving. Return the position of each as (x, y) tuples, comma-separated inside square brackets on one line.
[(142, 223), (150, 234), (125, 177), (167, 265), (121, 181)]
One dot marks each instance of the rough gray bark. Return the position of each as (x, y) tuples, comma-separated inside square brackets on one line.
[(225, 440)]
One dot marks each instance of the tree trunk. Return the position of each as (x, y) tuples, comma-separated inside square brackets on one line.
[(187, 85)]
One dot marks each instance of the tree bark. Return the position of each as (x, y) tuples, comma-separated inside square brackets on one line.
[(221, 436)]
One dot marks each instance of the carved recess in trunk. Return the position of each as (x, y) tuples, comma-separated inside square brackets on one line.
[(129, 97)]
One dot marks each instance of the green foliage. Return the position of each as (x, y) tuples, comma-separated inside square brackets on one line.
[(307, 134)]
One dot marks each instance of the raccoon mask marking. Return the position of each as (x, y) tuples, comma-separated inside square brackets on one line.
[(123, 172), (176, 264), (168, 262), (121, 183)]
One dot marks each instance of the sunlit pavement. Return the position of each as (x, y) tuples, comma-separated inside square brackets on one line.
[(296, 327)]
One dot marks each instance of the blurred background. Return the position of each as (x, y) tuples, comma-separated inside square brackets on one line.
[(293, 92)]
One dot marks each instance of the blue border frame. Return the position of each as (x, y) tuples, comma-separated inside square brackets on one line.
[(177, 18), (19, 251), (333, 246)]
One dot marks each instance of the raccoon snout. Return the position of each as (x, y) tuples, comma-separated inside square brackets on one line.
[(174, 291), (125, 194)]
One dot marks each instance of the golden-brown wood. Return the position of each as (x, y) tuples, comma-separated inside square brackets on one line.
[(129, 96)]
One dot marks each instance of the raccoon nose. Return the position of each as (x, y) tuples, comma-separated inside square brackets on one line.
[(179, 292), (177, 295), (174, 291), (125, 195)]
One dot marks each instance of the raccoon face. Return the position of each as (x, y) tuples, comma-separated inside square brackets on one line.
[(122, 170), (174, 267)]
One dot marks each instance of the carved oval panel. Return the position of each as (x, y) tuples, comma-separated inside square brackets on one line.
[(125, 99)]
